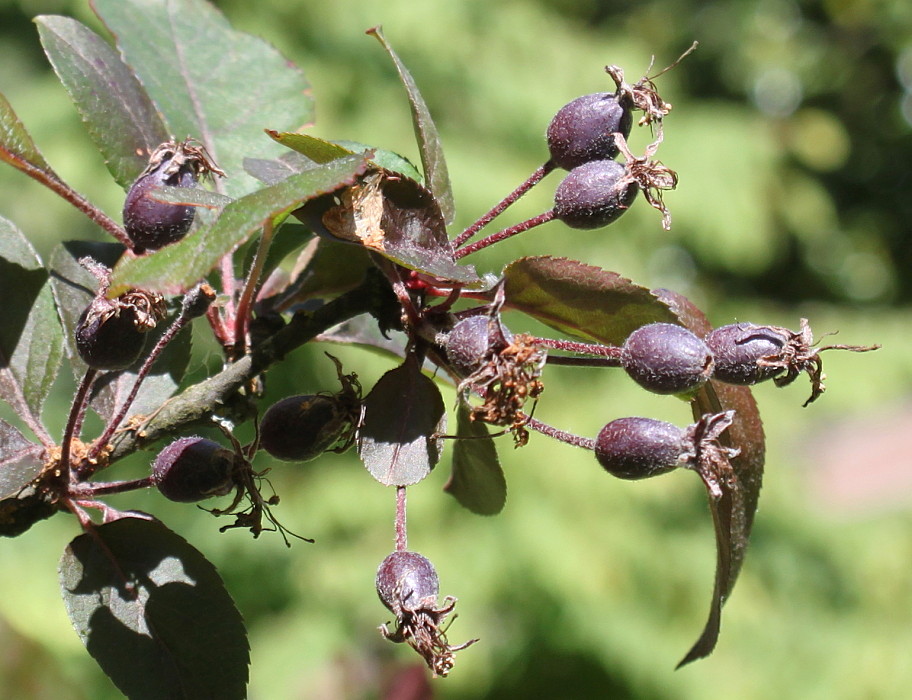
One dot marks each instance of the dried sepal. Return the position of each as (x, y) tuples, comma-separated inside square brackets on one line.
[(707, 456), (800, 354), (189, 154), (652, 176)]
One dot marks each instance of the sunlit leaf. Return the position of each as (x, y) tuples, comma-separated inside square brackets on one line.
[(432, 159), (402, 414), (477, 481), (31, 340), (208, 80), (154, 613), (16, 145), (581, 300), (176, 268), (119, 115)]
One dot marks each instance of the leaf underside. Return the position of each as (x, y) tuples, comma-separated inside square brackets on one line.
[(154, 613)]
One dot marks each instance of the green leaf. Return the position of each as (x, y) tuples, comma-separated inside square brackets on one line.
[(74, 287), (402, 414), (477, 481), (321, 151), (176, 268), (432, 160), (209, 81), (20, 460), (317, 149), (120, 117), (325, 268), (733, 513), (154, 613), (581, 300), (16, 145), (31, 340)]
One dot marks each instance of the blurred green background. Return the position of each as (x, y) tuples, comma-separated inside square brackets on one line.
[(791, 135)]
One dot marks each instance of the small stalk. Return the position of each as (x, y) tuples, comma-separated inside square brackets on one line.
[(562, 435), (505, 233), (580, 348), (74, 420), (242, 317), (401, 529), (88, 491), (195, 303), (498, 209)]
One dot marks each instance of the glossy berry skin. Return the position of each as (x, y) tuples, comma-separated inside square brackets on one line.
[(301, 428), (738, 348), (583, 130), (151, 224), (471, 340), (407, 580), (666, 359), (108, 337), (594, 194), (638, 448), (191, 469)]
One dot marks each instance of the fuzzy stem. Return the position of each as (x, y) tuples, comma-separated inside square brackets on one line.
[(505, 233), (89, 490), (186, 315), (580, 348), (562, 435), (242, 318), (533, 180), (401, 528), (52, 181), (74, 420), (569, 361)]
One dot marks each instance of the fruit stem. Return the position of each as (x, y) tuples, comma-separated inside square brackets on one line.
[(505, 233), (401, 530), (89, 490), (609, 351), (74, 420), (188, 311), (52, 181), (242, 317), (533, 180), (563, 436)]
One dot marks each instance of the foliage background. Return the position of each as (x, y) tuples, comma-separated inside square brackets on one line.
[(791, 135)]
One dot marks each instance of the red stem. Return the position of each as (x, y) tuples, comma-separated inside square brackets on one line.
[(505, 233), (562, 435), (401, 529), (533, 180), (74, 420)]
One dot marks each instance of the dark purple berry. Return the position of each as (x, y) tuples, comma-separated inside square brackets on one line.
[(739, 347), (407, 581), (594, 194), (109, 335), (191, 469), (152, 224), (666, 359), (471, 341), (638, 448), (583, 130), (301, 428)]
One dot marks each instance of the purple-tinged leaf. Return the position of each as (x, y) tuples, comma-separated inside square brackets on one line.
[(364, 332), (477, 481), (208, 80), (31, 340), (120, 117), (432, 159), (74, 287), (403, 414), (176, 268), (581, 300), (154, 613), (272, 171), (20, 460), (733, 513)]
